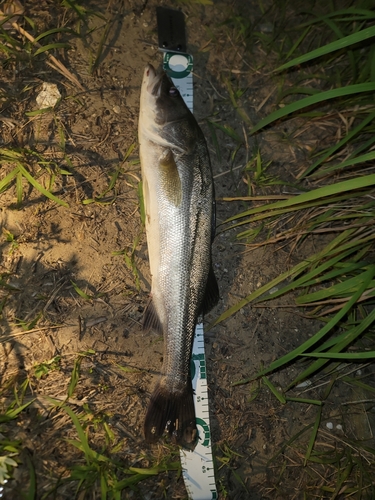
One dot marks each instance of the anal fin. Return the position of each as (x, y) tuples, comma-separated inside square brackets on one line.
[(151, 319), (211, 295)]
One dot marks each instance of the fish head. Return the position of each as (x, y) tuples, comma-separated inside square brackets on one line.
[(164, 116)]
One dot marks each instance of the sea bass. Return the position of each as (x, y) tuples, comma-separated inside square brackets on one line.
[(179, 211)]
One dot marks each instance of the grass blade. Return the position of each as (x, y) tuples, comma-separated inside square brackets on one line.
[(274, 391), (19, 188), (340, 144), (89, 453), (31, 491), (350, 356), (80, 292), (52, 32), (313, 437), (347, 163), (331, 47), (74, 377), (51, 46), (355, 89), (4, 183), (305, 401), (316, 194), (40, 188)]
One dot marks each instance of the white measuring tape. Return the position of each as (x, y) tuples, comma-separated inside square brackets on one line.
[(197, 466)]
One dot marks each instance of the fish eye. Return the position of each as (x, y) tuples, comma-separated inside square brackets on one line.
[(173, 92)]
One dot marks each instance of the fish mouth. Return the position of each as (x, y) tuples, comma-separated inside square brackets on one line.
[(153, 80)]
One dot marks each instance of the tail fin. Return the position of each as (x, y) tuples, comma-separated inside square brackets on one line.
[(173, 412)]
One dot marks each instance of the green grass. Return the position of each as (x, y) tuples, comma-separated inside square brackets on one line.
[(23, 167), (335, 286), (10, 448), (100, 472), (30, 166), (344, 206), (100, 466)]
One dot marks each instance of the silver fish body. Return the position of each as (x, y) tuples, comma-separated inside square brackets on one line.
[(179, 205)]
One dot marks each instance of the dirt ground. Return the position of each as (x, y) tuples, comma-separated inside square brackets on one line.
[(77, 293)]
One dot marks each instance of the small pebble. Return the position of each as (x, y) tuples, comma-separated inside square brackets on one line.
[(306, 383)]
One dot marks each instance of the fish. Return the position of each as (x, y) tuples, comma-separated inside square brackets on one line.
[(178, 194)]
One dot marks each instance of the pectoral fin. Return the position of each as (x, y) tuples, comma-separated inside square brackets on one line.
[(170, 177)]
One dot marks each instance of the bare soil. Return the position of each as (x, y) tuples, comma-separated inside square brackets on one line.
[(59, 250)]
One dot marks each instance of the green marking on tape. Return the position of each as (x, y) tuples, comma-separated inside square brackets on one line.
[(206, 430), (202, 365), (192, 368)]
